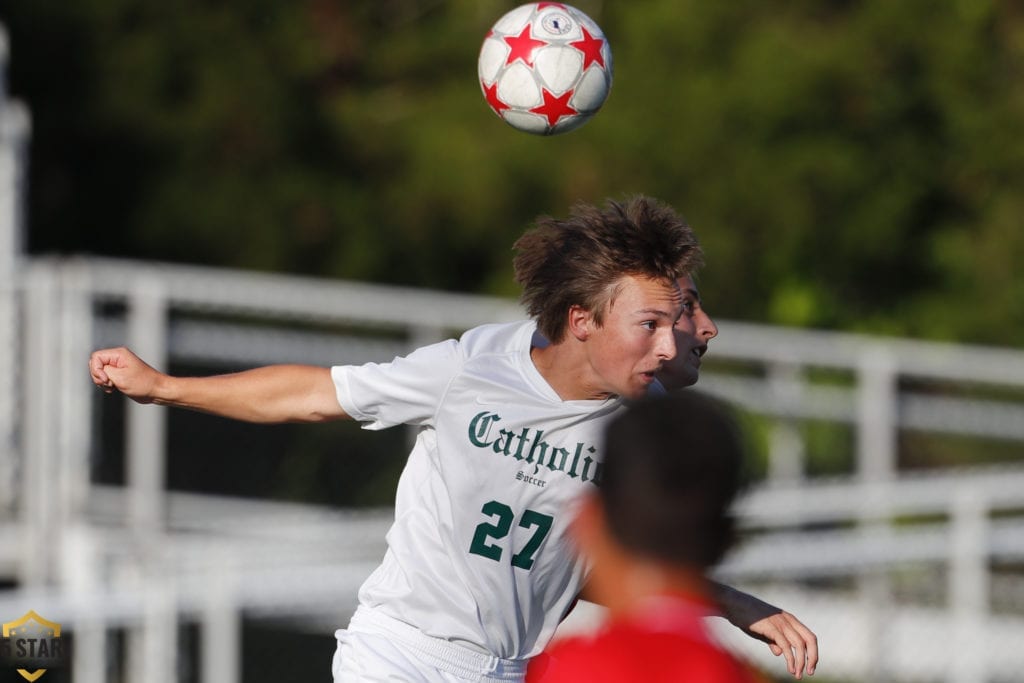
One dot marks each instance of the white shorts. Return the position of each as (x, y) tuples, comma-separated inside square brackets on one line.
[(376, 648)]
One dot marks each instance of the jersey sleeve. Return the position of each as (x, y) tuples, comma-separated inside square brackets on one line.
[(408, 390)]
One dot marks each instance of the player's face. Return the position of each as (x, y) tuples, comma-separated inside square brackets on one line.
[(694, 330), (636, 338)]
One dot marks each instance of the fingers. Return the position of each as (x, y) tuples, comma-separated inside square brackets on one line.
[(810, 641), (101, 361), (97, 372), (788, 637), (799, 644), (794, 650)]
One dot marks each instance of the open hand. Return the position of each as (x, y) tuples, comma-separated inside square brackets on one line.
[(788, 637)]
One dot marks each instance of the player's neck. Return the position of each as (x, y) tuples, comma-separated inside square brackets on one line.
[(564, 368), (644, 582)]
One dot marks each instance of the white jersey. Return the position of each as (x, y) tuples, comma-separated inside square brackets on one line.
[(479, 553)]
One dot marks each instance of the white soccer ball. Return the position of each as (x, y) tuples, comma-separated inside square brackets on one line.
[(545, 68)]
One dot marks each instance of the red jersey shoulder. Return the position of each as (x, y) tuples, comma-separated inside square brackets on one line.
[(622, 654)]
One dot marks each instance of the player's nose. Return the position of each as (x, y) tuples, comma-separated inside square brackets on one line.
[(666, 344), (706, 327)]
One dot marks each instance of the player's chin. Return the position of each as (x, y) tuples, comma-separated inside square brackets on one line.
[(640, 387), (689, 377), (678, 377)]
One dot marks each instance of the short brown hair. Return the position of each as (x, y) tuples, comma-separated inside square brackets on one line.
[(579, 260), (673, 467)]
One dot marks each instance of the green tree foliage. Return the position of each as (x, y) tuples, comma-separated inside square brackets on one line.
[(847, 164)]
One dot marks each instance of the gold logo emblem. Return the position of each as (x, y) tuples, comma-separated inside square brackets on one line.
[(32, 638)]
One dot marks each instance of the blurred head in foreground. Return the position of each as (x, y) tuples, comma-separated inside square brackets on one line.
[(661, 516)]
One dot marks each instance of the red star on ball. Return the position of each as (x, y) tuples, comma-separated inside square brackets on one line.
[(491, 93), (542, 5), (555, 107), (523, 47), (591, 48)]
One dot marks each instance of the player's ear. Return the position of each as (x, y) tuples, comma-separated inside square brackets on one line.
[(580, 320)]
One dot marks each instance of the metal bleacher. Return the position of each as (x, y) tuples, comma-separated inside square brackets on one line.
[(906, 573)]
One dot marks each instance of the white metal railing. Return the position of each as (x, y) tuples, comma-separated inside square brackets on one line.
[(188, 313), (14, 133)]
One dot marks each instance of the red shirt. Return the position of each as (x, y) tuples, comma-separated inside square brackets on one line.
[(668, 641)]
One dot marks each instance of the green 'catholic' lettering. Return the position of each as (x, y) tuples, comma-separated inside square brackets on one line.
[(528, 445)]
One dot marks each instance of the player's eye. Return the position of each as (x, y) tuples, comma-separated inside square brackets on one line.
[(649, 325)]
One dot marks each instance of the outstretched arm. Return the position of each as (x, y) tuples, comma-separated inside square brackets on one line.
[(785, 634), (276, 393)]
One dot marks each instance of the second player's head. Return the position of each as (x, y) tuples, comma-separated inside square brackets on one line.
[(671, 471)]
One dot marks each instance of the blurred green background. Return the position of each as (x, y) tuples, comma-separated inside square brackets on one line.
[(848, 164)]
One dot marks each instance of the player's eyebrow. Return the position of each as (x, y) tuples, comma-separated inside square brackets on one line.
[(656, 312), (692, 292)]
